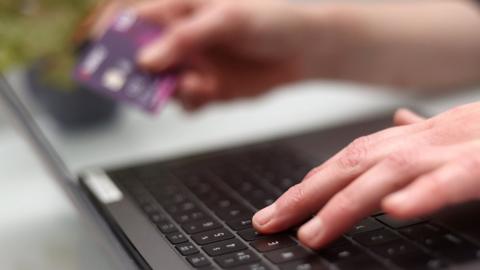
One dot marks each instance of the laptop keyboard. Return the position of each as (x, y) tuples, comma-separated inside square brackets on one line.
[(204, 209)]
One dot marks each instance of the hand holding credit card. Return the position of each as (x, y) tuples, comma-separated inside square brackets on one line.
[(109, 67)]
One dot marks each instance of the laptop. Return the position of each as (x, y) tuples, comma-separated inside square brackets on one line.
[(194, 211)]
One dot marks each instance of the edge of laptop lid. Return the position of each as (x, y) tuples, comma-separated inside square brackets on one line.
[(20, 116)]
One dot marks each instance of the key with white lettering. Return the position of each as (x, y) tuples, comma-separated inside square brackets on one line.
[(236, 259), (212, 236), (287, 254), (224, 247)]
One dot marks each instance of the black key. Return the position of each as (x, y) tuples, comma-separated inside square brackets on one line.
[(212, 236), (462, 254), (224, 203), (167, 227), (181, 207), (161, 192), (189, 216), (260, 203), (236, 259), (309, 263), (224, 247), (260, 197), (168, 188), (395, 249), (233, 213), (366, 225), (422, 231), (442, 242), (157, 218), (200, 226), (253, 266), (417, 261), (360, 263), (201, 188), (437, 263), (273, 242), (175, 198), (341, 241), (240, 224), (341, 253), (198, 260), (187, 249), (376, 237), (178, 198), (150, 208), (210, 198), (453, 247), (250, 235), (176, 238), (397, 224), (245, 187), (287, 254)]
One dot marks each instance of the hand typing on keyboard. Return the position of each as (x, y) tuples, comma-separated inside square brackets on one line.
[(410, 170)]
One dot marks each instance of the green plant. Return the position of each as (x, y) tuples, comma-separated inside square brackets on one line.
[(33, 29)]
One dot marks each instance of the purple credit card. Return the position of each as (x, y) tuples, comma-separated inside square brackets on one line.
[(109, 65)]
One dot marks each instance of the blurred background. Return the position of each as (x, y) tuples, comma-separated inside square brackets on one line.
[(39, 42)]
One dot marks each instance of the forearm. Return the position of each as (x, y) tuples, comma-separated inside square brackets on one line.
[(415, 44)]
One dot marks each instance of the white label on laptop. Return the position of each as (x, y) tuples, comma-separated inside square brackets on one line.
[(103, 187)]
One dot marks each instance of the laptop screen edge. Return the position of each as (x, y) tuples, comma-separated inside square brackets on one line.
[(20, 117)]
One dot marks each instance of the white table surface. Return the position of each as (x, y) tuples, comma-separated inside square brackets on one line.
[(39, 229)]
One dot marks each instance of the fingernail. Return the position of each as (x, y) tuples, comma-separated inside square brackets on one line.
[(265, 215), (312, 230)]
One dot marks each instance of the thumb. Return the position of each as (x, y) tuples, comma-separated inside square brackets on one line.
[(186, 38)]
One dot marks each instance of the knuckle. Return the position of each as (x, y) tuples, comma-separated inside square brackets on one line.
[(293, 198), (344, 202), (355, 153), (429, 124), (399, 160), (314, 171)]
